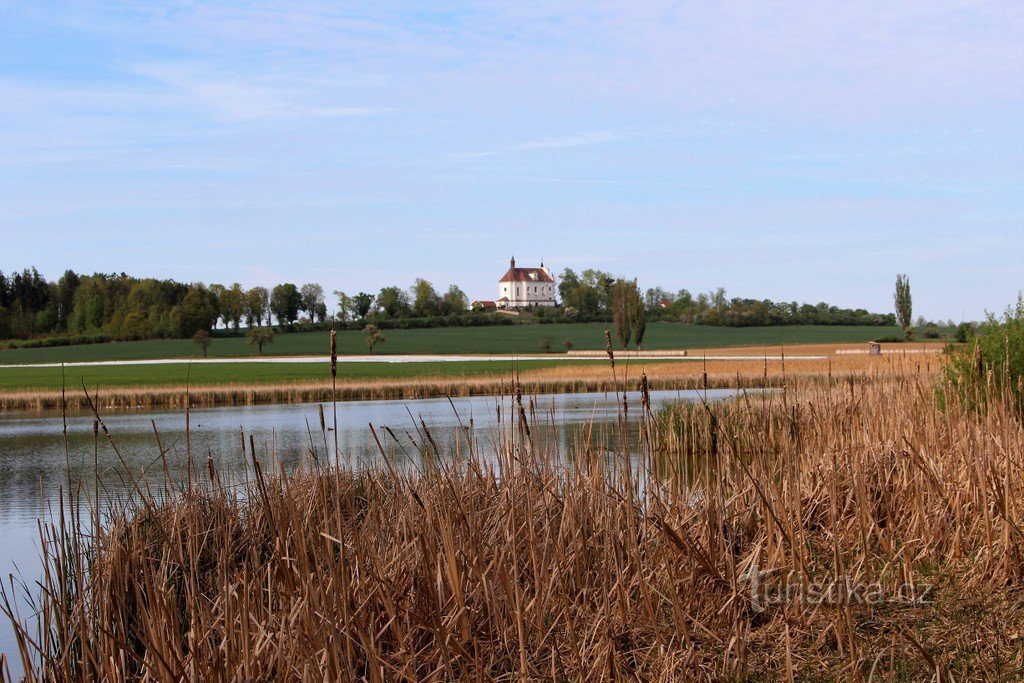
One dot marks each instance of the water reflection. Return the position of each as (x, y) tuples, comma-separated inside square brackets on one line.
[(34, 461)]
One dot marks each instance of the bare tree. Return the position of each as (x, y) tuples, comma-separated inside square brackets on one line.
[(373, 336)]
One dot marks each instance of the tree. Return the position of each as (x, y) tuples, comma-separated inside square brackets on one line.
[(904, 305), (257, 306), (66, 288), (567, 284), (373, 336), (393, 302), (260, 337), (361, 304), (344, 305), (625, 300), (546, 344), (217, 292), (197, 311), (313, 301), (568, 345), (654, 296), (639, 319), (424, 297), (203, 340), (233, 306), (455, 300), (285, 302)]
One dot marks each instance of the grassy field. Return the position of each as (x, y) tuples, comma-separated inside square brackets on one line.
[(212, 374), (483, 340)]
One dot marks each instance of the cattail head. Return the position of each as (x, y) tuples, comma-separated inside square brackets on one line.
[(334, 356), (323, 424), (645, 392), (608, 346)]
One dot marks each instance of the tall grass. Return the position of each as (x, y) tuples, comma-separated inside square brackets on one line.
[(559, 379), (634, 555)]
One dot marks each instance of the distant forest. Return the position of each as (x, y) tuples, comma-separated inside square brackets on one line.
[(81, 308)]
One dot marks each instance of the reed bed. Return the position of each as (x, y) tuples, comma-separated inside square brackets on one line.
[(689, 374), (859, 528)]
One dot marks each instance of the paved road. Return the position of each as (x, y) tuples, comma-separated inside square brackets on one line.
[(397, 359)]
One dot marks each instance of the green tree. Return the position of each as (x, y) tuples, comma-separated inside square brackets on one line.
[(66, 288), (993, 360), (904, 304), (393, 302), (313, 301), (625, 304), (424, 297), (217, 292), (344, 305), (257, 306), (233, 305), (455, 300), (260, 337), (639, 319), (197, 311), (361, 305), (285, 302), (373, 336)]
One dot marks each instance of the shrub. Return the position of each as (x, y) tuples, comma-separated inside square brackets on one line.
[(546, 344), (964, 332), (996, 354)]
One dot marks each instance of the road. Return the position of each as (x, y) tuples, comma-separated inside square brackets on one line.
[(417, 358)]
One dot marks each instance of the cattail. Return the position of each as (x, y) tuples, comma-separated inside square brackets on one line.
[(334, 359), (645, 393), (608, 347), (323, 424)]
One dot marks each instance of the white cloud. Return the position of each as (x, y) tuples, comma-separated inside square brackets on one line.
[(576, 140)]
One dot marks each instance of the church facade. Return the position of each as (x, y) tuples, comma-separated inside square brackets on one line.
[(526, 287)]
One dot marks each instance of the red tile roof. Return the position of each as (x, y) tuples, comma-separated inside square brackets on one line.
[(526, 275)]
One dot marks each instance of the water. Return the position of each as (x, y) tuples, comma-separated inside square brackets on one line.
[(33, 459)]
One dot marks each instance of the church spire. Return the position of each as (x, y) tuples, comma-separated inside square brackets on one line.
[(513, 262)]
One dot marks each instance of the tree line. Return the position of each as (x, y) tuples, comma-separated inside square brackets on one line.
[(123, 307), (589, 296), (119, 306)]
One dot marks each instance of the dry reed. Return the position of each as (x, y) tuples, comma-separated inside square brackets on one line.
[(596, 564)]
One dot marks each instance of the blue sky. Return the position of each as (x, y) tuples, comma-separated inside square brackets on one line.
[(788, 150)]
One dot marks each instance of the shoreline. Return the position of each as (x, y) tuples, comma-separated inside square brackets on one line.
[(668, 375)]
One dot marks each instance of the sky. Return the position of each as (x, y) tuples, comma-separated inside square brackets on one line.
[(804, 151)]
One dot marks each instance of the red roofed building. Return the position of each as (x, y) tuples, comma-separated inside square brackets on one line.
[(526, 287)]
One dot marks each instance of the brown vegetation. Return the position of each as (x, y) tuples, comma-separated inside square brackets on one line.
[(588, 565), (566, 379)]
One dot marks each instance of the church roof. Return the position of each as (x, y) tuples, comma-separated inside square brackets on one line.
[(526, 275)]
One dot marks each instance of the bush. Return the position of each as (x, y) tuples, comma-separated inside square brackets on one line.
[(67, 340), (964, 332), (996, 354), (546, 344), (931, 332)]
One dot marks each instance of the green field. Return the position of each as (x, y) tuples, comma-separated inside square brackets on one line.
[(212, 374), (504, 339)]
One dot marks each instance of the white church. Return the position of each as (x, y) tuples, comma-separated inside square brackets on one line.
[(526, 287)]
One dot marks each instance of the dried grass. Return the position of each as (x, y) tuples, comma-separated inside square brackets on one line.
[(589, 565)]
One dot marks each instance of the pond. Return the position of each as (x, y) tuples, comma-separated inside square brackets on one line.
[(34, 462)]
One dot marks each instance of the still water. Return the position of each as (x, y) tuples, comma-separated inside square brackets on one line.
[(34, 460)]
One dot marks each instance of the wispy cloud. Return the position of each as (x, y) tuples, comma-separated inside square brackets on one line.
[(577, 140), (241, 99)]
